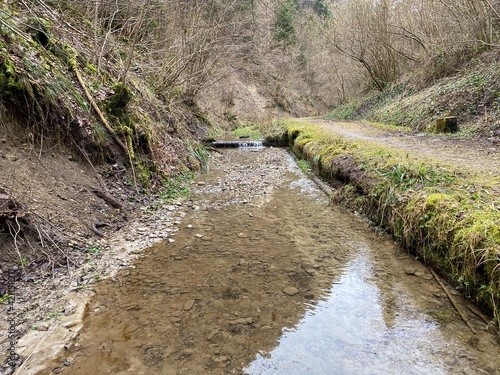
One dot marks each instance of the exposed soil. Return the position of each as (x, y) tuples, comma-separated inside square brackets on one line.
[(476, 155), (51, 235)]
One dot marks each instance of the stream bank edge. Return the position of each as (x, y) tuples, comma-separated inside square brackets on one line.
[(444, 215)]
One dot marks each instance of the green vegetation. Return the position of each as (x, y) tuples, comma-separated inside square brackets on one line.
[(251, 131), (344, 111), (176, 186), (5, 299), (304, 165), (321, 9), (94, 250), (448, 218), (274, 132), (284, 28), (56, 315)]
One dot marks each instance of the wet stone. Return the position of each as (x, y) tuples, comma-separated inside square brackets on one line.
[(290, 291), (188, 305)]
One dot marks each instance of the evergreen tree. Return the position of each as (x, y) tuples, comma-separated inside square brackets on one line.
[(284, 26)]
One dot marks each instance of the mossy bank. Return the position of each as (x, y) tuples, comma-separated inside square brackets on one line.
[(448, 217)]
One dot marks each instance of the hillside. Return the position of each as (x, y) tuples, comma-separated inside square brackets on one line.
[(468, 91)]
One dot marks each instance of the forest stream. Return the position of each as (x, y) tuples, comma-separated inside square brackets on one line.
[(266, 277)]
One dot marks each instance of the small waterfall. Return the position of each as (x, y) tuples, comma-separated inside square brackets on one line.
[(237, 144)]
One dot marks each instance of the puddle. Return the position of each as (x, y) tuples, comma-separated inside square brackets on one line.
[(265, 278)]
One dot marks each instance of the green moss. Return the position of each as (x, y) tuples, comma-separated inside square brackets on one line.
[(130, 144), (251, 131), (116, 103), (91, 68), (10, 84), (143, 174)]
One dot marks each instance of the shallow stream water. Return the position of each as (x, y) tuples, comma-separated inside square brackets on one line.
[(265, 277)]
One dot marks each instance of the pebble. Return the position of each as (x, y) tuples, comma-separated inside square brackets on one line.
[(290, 291), (410, 270), (188, 305), (243, 321), (222, 358), (212, 334), (188, 352)]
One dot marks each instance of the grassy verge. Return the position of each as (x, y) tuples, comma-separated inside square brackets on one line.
[(449, 218)]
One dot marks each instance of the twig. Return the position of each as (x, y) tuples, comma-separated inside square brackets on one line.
[(483, 317), (14, 236), (97, 231), (108, 199), (453, 302), (68, 259), (86, 156)]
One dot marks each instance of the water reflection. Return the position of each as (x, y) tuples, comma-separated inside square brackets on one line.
[(351, 331)]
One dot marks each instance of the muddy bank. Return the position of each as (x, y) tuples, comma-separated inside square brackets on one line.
[(258, 253)]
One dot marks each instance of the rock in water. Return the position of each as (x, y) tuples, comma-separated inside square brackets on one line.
[(189, 305), (290, 291)]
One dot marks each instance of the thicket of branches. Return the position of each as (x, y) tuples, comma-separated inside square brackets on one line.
[(379, 41), (323, 51)]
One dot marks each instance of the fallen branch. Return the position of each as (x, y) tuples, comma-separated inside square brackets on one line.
[(453, 302), (97, 231), (112, 201), (483, 317), (108, 127)]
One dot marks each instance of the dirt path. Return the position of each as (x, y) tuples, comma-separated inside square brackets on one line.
[(476, 155)]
